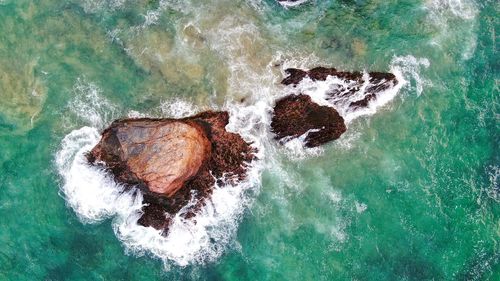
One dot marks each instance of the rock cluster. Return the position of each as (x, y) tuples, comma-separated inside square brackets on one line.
[(298, 116), (375, 82), (177, 162)]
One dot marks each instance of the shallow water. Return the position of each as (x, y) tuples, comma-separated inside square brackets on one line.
[(410, 192)]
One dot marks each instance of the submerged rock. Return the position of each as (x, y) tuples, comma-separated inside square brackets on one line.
[(173, 161), (296, 115)]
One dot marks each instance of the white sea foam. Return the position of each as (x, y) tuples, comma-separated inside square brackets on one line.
[(188, 241), (407, 70), (360, 207), (296, 149), (89, 105), (177, 108), (493, 190), (444, 15), (92, 6), (94, 196), (135, 114), (347, 140), (335, 196), (289, 4), (465, 9), (151, 17), (89, 191)]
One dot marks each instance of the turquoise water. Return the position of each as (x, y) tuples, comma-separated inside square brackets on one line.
[(408, 193)]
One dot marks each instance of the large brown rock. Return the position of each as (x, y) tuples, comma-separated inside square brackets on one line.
[(296, 115), (163, 154), (172, 161)]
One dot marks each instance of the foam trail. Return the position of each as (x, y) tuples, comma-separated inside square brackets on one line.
[(189, 241), (292, 3), (464, 9), (177, 108), (94, 195), (93, 6), (319, 92), (444, 14), (89, 105)]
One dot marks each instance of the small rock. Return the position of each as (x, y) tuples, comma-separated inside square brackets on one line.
[(296, 115)]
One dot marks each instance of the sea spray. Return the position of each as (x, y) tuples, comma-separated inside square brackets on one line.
[(465, 9), (94, 196), (341, 93), (408, 70), (90, 106), (188, 241), (426, 184), (177, 108), (90, 191)]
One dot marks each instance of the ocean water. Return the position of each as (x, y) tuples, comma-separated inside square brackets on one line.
[(410, 192)]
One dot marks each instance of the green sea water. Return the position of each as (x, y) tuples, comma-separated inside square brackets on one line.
[(408, 193)]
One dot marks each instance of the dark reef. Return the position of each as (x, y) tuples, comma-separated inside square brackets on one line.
[(294, 115)]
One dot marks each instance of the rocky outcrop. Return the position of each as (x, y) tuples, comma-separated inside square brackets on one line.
[(297, 115), (370, 84), (173, 161)]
